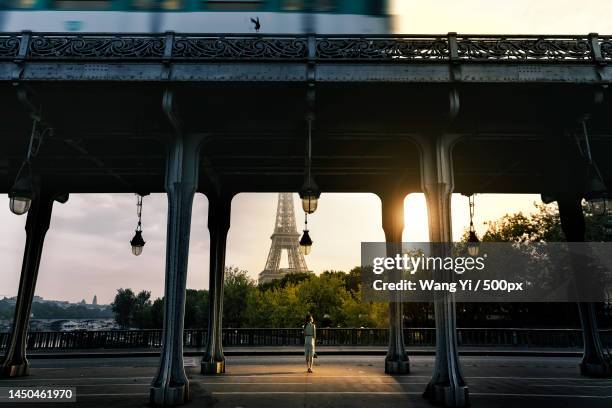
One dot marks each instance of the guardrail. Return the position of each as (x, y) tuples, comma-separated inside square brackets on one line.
[(170, 46), (414, 337)]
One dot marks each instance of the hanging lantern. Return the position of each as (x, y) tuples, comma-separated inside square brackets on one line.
[(22, 193), (310, 194), (137, 241), (473, 245), (595, 189), (305, 243), (596, 194)]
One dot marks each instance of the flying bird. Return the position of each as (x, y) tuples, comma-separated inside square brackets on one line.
[(256, 22)]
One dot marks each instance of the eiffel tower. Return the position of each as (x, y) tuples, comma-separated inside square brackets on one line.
[(285, 236)]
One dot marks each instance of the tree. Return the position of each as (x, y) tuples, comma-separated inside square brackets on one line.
[(141, 316), (196, 309), (238, 284), (544, 225), (123, 307), (157, 313)]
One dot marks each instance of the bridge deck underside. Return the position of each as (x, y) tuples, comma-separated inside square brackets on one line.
[(112, 136)]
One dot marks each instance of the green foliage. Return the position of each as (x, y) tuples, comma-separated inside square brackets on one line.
[(123, 307), (196, 308), (236, 291), (141, 315), (157, 314), (334, 299), (290, 279), (544, 225)]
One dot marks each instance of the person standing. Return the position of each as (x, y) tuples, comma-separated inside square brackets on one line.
[(310, 336)]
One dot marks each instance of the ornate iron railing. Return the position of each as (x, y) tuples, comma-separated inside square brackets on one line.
[(169, 47), (414, 337)]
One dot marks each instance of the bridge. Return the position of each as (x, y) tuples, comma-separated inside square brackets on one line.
[(224, 114)]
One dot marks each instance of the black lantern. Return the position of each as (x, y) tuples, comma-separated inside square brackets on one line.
[(137, 242), (473, 245), (305, 243)]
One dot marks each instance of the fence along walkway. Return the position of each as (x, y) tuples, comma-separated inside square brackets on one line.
[(414, 337)]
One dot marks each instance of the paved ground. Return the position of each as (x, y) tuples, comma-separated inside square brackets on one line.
[(338, 381)]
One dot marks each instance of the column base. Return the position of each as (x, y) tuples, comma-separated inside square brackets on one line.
[(601, 370), (212, 368), (447, 396), (397, 367), (169, 396), (15, 370)]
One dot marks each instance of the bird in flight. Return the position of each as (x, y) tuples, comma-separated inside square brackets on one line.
[(256, 22)]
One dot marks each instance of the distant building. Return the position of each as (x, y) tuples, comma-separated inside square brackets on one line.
[(82, 302), (95, 301)]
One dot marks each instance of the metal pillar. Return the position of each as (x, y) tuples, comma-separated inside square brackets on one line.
[(447, 386), (15, 362), (396, 361), (219, 214), (170, 386), (594, 362)]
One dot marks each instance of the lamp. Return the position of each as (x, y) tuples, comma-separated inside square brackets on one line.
[(137, 241), (305, 241), (596, 193), (309, 193), (473, 246), (595, 189), (22, 192)]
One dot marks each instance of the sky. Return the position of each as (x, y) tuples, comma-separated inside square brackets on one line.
[(87, 248)]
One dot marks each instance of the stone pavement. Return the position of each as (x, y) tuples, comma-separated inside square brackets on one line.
[(338, 381)]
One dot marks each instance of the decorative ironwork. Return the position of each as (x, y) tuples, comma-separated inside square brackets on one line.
[(606, 48), (524, 49), (82, 46), (240, 48), (9, 46), (390, 48), (382, 48)]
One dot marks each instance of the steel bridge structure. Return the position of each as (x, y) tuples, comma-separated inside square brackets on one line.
[(225, 114)]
